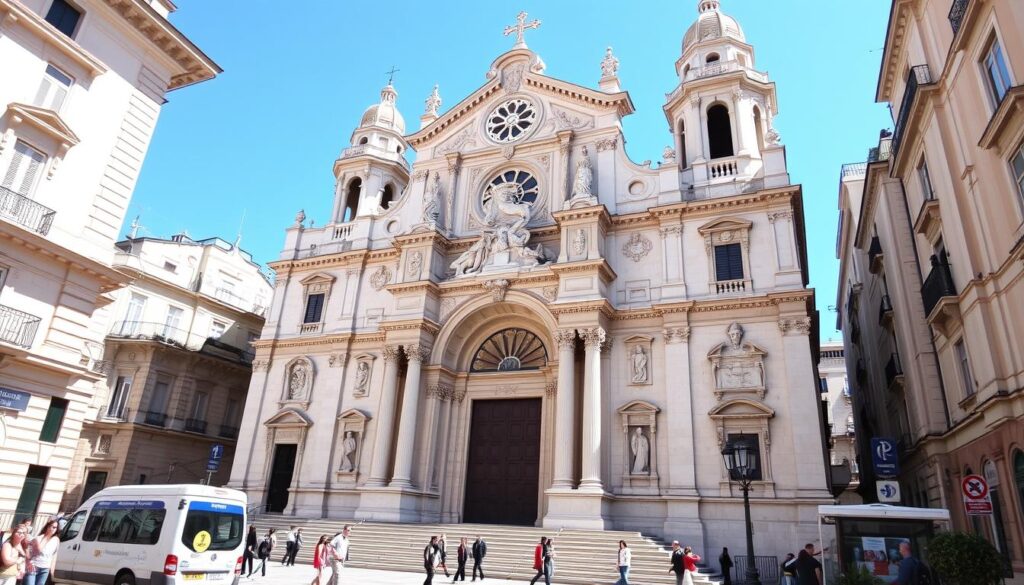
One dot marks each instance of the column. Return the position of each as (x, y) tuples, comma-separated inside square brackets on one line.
[(682, 478), (407, 426), (593, 339), (385, 419), (564, 408)]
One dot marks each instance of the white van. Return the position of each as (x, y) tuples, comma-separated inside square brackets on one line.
[(154, 535)]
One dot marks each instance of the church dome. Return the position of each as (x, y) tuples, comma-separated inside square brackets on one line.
[(712, 24), (385, 114)]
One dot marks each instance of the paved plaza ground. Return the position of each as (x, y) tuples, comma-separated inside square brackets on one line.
[(301, 574)]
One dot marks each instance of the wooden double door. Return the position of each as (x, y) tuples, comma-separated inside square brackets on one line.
[(503, 471)]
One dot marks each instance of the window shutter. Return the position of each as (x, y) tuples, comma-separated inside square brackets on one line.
[(44, 92), (728, 262), (314, 308), (53, 421), (25, 165)]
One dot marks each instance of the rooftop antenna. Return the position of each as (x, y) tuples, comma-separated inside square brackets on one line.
[(391, 74), (241, 224), (134, 228)]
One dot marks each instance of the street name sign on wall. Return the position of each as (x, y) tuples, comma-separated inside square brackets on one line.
[(977, 499), (14, 399), (885, 457)]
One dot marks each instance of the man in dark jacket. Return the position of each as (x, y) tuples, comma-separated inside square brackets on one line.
[(431, 558), (678, 567), (479, 552)]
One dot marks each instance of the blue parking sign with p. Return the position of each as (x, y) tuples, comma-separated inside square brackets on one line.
[(216, 454), (885, 457)]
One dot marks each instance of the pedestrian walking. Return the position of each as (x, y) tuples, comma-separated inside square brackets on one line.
[(479, 552), (250, 549), (725, 561), (320, 558), (442, 546), (912, 570), (289, 544), (296, 545), (542, 562), (338, 554), (808, 569), (677, 565), (265, 549), (42, 555), (463, 556), (690, 560), (12, 556), (624, 560), (552, 555), (788, 571), (431, 558)]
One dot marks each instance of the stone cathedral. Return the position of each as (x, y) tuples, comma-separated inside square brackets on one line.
[(524, 326)]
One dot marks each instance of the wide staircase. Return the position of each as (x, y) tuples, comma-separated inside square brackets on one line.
[(583, 557)]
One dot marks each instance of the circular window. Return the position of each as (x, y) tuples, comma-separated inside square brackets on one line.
[(515, 186), (510, 350), (511, 120)]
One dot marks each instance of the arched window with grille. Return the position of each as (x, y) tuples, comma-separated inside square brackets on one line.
[(510, 350)]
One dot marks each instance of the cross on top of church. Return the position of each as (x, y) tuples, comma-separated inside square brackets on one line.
[(518, 28), (391, 74)]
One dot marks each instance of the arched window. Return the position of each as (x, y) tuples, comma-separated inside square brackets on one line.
[(510, 350), (387, 196), (1018, 476), (719, 131), (712, 58), (355, 186), (758, 129), (364, 140), (682, 143), (686, 69)]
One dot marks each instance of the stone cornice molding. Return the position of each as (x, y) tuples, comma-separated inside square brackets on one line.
[(425, 325), (895, 37), (600, 306), (620, 101), (583, 215), (413, 287), (110, 278), (735, 203), (601, 265), (453, 115), (431, 237)]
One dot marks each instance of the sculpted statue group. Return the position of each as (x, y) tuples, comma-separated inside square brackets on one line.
[(503, 240)]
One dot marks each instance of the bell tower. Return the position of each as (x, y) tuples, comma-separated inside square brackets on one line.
[(721, 112), (372, 172)]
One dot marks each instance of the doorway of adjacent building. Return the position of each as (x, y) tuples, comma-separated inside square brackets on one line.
[(503, 469), (32, 491), (281, 477), (94, 482)]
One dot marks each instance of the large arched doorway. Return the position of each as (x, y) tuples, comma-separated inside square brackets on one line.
[(503, 455)]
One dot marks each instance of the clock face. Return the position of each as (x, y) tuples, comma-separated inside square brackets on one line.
[(511, 120)]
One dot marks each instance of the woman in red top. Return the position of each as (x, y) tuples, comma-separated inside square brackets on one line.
[(319, 558), (690, 563)]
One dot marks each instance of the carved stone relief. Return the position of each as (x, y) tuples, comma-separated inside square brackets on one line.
[(380, 277), (414, 265), (738, 366), (636, 247), (298, 381)]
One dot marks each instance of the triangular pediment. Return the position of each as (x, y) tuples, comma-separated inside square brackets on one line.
[(48, 121), (639, 407), (725, 224), (317, 277), (573, 101), (747, 349), (741, 408), (289, 417), (354, 414)]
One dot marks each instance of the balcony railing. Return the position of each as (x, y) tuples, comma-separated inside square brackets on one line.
[(881, 152), (157, 419), (195, 425), (722, 67), (854, 170), (893, 369), (228, 432), (939, 284), (956, 14), (25, 212), (178, 338), (18, 327), (919, 75), (725, 287)]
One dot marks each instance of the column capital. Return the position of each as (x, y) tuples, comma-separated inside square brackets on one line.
[(593, 337), (390, 353), (442, 392), (417, 352), (676, 334), (565, 338)]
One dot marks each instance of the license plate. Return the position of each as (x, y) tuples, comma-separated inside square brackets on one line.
[(193, 576), (217, 576)]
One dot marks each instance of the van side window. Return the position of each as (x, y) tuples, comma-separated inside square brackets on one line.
[(74, 526), (92, 526), (145, 526), (115, 526)]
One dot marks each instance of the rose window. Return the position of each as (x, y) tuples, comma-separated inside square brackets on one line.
[(510, 350), (519, 186), (511, 120)]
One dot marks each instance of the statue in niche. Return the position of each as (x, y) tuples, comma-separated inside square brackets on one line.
[(362, 377), (432, 201), (738, 365), (584, 176), (639, 363), (641, 448), (348, 449), (735, 333), (296, 382)]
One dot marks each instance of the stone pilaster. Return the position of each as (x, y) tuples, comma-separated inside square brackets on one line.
[(407, 426), (565, 408), (593, 339), (385, 419)]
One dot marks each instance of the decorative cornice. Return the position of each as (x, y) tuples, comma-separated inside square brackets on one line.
[(601, 306), (600, 265), (410, 325), (13, 11)]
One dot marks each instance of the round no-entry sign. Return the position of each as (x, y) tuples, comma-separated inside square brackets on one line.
[(975, 487)]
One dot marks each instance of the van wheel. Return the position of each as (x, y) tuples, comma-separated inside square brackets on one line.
[(125, 578)]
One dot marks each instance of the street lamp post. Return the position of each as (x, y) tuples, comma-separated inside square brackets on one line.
[(741, 462)]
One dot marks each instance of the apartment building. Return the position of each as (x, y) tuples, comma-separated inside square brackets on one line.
[(83, 83), (837, 402)]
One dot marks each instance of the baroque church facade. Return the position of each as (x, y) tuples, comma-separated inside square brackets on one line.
[(526, 327)]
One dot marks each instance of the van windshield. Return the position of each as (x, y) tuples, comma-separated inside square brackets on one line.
[(213, 526)]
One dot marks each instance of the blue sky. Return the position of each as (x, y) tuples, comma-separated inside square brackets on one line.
[(263, 135)]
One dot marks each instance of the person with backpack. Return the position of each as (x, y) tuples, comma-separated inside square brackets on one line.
[(265, 548), (912, 570), (250, 550)]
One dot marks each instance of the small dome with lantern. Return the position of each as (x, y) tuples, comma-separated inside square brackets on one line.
[(711, 24), (385, 114)]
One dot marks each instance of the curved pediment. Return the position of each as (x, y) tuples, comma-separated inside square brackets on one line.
[(741, 408), (289, 418)]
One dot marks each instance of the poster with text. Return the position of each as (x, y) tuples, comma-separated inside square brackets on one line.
[(880, 556)]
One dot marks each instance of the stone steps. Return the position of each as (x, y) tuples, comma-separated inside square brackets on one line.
[(583, 557)]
